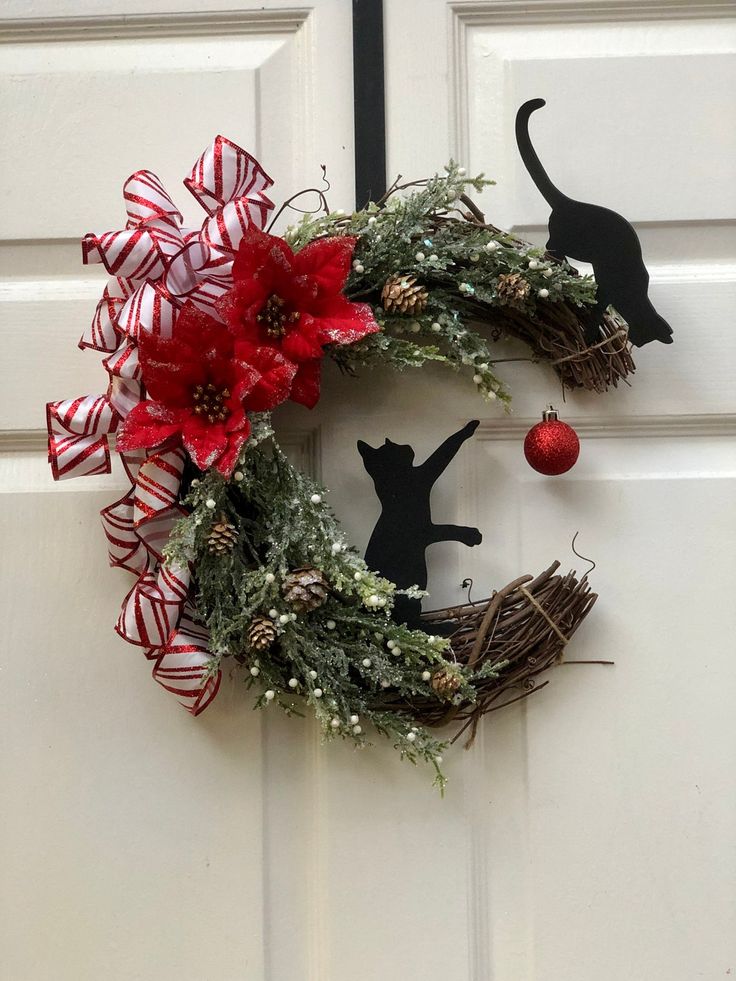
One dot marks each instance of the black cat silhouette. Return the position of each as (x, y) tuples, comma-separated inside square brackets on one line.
[(601, 237), (405, 529)]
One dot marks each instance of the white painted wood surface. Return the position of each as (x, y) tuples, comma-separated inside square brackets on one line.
[(590, 831)]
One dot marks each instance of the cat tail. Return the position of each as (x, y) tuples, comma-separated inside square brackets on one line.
[(529, 155)]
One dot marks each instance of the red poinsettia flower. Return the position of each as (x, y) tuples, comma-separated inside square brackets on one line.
[(294, 302), (201, 382)]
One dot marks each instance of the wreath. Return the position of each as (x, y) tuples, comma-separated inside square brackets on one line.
[(236, 555)]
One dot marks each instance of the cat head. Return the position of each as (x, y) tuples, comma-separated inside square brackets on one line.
[(386, 459)]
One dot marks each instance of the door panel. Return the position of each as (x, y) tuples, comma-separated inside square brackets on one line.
[(133, 841), (602, 845)]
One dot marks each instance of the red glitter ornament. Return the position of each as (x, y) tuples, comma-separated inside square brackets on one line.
[(551, 447)]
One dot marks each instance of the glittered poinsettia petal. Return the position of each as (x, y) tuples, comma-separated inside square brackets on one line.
[(148, 424), (342, 322), (302, 345), (204, 442), (226, 462), (306, 384), (327, 262), (258, 250)]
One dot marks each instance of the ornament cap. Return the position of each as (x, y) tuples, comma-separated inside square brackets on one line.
[(550, 414)]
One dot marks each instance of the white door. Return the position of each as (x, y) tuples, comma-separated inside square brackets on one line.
[(589, 832)]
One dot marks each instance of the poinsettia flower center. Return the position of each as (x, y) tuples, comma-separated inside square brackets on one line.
[(209, 401), (276, 317)]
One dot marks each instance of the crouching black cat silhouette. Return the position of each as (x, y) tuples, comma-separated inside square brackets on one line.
[(404, 530), (601, 237)]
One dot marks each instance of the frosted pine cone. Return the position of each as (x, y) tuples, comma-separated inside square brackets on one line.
[(402, 294), (512, 289), (223, 536), (305, 589), (260, 634), (445, 682)]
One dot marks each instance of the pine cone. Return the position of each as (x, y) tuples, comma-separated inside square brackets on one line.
[(512, 289), (305, 589), (445, 682), (223, 536), (402, 294), (260, 634)]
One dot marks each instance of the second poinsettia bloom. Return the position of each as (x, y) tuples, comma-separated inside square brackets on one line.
[(201, 382), (294, 302)]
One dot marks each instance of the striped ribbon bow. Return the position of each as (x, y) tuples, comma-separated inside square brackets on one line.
[(156, 265)]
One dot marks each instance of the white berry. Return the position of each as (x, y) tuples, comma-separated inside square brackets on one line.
[(366, 662), (270, 577), (330, 624), (397, 649), (426, 675), (335, 723), (210, 503), (336, 548), (357, 576), (312, 674), (544, 294), (419, 257), (284, 618), (438, 760), (269, 695), (548, 272), (255, 672), (195, 482), (316, 498), (411, 736), (477, 379), (436, 327), (491, 246), (354, 720), (357, 730), (293, 683), (238, 475), (273, 614), (461, 171), (434, 257), (372, 220), (318, 693), (391, 644), (533, 264)]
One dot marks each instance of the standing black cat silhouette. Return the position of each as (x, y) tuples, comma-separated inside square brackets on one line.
[(405, 529), (607, 241)]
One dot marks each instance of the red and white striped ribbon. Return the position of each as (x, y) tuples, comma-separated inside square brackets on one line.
[(103, 333), (184, 665), (156, 266), (124, 544), (78, 431), (151, 610), (225, 172), (157, 484), (146, 200)]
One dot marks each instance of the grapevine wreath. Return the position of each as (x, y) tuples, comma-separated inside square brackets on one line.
[(236, 557)]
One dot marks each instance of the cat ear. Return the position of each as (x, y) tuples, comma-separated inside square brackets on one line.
[(364, 449)]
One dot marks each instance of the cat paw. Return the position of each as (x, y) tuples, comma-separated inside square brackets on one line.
[(471, 427), (471, 537)]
